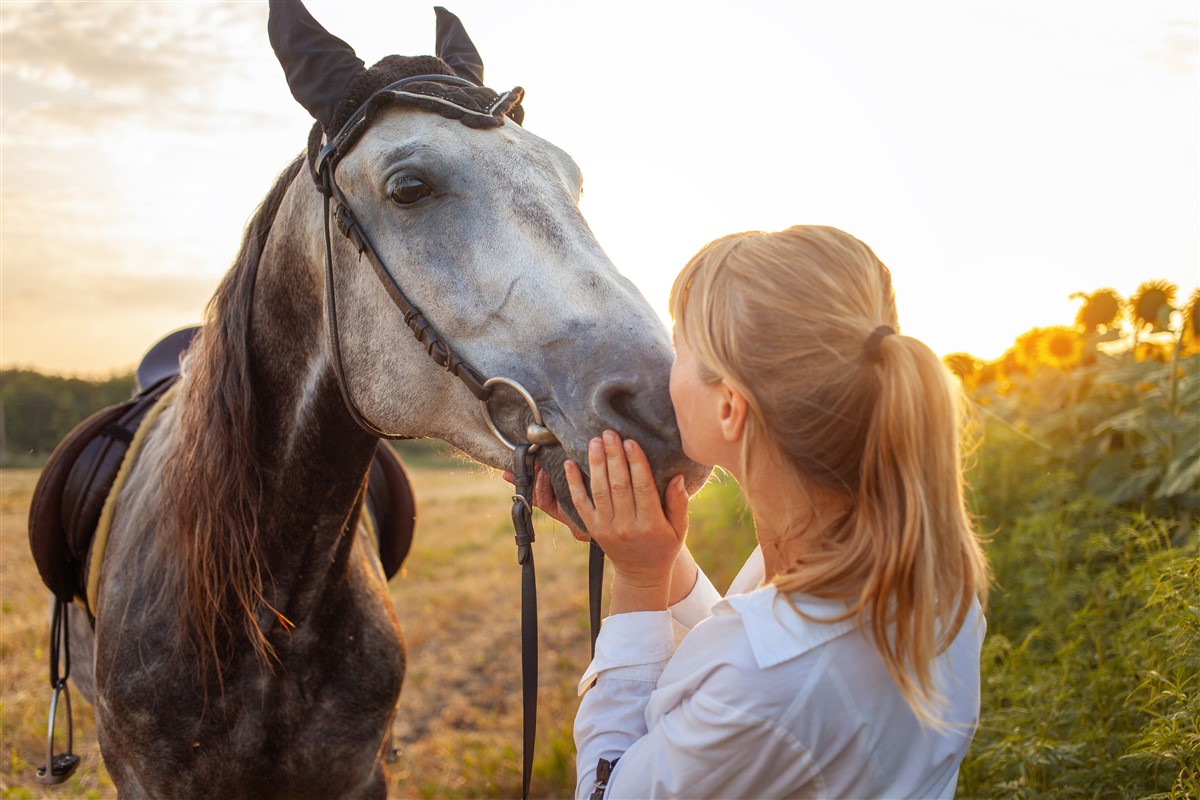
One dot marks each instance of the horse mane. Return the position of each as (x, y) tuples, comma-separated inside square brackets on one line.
[(212, 481)]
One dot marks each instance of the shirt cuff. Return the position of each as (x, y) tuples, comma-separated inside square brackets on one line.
[(633, 646), (698, 604)]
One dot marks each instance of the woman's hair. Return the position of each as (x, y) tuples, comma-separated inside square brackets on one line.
[(793, 321)]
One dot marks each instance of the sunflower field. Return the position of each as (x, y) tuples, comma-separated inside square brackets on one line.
[(1086, 487)]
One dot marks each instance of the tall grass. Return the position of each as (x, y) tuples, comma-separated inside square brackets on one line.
[(1091, 667), (1085, 486)]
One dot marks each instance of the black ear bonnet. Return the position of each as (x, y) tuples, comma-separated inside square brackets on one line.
[(332, 83)]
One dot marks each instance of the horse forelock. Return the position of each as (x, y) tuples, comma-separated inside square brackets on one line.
[(212, 481)]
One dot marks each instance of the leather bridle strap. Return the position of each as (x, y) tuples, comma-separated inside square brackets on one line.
[(335, 341), (522, 518), (595, 589), (434, 345)]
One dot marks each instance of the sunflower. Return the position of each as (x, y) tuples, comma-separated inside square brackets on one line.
[(990, 372), (1060, 347), (964, 366), (1010, 365), (1191, 324), (1101, 308), (1152, 351), (1025, 350), (1148, 302)]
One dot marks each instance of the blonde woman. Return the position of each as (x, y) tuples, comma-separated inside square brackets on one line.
[(844, 661)]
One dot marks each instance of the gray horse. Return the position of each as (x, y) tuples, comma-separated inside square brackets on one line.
[(244, 642)]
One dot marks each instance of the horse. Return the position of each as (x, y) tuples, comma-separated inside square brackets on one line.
[(244, 644)]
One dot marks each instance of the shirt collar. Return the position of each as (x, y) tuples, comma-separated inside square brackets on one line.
[(777, 633)]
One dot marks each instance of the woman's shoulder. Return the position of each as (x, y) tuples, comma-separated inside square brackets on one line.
[(782, 627), (758, 658)]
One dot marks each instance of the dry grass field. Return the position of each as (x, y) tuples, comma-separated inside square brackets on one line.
[(458, 729)]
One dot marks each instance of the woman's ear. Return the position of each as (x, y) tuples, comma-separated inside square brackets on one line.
[(732, 412)]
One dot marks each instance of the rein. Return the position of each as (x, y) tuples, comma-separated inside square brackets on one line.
[(537, 433)]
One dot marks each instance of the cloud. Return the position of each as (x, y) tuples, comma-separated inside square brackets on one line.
[(73, 69), (135, 49)]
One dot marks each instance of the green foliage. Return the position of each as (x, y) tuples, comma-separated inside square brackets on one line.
[(37, 411), (1128, 429), (1087, 490), (1091, 667), (720, 530)]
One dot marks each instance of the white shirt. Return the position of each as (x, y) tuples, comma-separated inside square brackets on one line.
[(758, 702)]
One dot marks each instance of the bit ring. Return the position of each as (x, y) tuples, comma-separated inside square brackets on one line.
[(537, 432)]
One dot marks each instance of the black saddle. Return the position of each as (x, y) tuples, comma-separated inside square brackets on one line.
[(77, 478)]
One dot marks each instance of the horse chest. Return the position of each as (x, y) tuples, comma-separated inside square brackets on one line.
[(312, 724)]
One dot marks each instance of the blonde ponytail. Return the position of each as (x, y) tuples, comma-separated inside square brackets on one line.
[(803, 323), (929, 566)]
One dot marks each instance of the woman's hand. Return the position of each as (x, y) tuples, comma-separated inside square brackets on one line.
[(625, 517)]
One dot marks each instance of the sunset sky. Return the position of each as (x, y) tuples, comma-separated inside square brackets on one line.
[(997, 156)]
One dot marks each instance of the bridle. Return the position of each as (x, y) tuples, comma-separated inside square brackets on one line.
[(537, 433)]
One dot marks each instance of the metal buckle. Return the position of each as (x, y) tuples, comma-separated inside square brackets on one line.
[(537, 432)]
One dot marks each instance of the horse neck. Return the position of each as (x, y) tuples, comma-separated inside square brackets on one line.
[(315, 457), (267, 464)]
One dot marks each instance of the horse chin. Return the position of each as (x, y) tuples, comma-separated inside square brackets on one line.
[(551, 460)]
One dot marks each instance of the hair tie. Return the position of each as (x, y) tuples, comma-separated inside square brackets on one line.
[(873, 340)]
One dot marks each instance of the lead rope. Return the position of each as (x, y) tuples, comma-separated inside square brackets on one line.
[(522, 517)]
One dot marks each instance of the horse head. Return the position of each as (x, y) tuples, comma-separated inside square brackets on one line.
[(473, 227)]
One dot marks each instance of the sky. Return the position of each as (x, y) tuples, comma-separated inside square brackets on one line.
[(998, 157)]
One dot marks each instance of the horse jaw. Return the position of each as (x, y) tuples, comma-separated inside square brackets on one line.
[(503, 265)]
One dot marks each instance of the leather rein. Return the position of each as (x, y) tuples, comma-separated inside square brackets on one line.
[(441, 353)]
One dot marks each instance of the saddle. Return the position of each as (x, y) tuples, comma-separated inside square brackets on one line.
[(79, 475), (73, 486)]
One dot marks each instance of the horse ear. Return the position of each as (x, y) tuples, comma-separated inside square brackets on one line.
[(318, 65), (456, 48)]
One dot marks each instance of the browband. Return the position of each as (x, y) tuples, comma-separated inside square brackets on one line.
[(489, 111)]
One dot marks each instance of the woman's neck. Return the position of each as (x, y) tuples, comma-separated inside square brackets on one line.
[(789, 517)]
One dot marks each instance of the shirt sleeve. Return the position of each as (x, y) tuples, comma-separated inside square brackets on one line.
[(631, 652), (697, 605), (702, 747)]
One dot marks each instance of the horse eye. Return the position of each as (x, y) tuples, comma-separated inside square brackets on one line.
[(409, 191)]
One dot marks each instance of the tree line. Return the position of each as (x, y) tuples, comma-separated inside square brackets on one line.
[(38, 410)]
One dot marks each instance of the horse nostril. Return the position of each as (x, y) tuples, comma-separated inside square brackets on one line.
[(634, 412), (620, 403)]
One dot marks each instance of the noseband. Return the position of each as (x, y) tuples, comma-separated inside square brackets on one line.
[(477, 107)]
